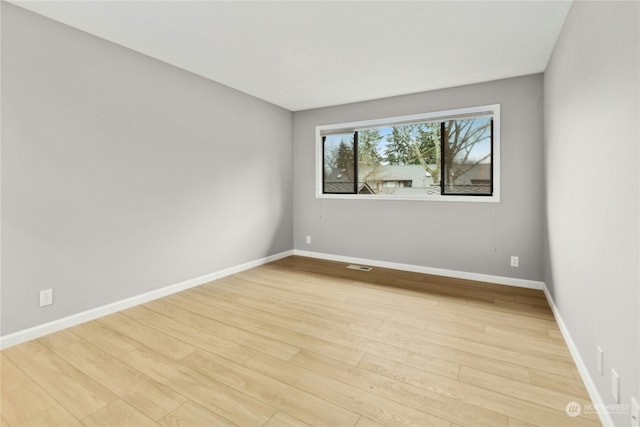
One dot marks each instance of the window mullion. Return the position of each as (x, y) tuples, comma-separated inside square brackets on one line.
[(355, 162), (491, 155), (324, 153), (442, 160)]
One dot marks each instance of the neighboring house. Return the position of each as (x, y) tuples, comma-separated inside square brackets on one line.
[(478, 174), (476, 180), (407, 180), (397, 179), (414, 179)]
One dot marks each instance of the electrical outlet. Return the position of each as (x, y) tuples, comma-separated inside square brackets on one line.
[(514, 261), (308, 240), (46, 297), (615, 386), (600, 356), (635, 413)]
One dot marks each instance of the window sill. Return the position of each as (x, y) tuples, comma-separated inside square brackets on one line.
[(471, 199)]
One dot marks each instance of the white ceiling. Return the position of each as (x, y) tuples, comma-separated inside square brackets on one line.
[(304, 54)]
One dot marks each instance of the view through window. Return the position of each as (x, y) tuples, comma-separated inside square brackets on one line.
[(436, 157)]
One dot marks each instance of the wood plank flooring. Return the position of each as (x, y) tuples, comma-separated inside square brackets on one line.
[(304, 342)]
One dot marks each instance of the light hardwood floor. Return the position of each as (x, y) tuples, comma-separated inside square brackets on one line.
[(305, 342)]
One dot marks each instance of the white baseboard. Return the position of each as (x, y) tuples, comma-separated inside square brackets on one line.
[(85, 316), (596, 399), (500, 280), (94, 313)]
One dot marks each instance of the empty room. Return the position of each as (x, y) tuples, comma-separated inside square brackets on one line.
[(320, 213)]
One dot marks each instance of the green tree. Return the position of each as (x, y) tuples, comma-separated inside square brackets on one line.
[(417, 144), (427, 146), (369, 157), (368, 142), (344, 158), (427, 149), (399, 142)]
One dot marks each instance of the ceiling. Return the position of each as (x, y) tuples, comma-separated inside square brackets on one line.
[(304, 54)]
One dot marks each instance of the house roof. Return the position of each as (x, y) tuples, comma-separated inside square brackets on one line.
[(396, 173), (347, 188)]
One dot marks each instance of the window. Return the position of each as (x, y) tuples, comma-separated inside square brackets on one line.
[(447, 155)]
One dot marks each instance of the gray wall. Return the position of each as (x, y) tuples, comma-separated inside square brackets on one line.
[(592, 136), (449, 235), (121, 174)]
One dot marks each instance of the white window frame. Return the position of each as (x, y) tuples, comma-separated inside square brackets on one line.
[(493, 110)]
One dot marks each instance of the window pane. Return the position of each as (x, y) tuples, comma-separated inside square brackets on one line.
[(467, 157), (399, 160), (339, 163)]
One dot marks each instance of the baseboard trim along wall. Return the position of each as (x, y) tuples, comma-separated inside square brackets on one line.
[(94, 313), (500, 280), (596, 399), (85, 316)]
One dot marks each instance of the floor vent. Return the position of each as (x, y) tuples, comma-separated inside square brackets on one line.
[(359, 267)]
